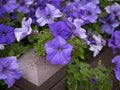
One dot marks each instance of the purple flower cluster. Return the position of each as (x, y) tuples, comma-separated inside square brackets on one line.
[(64, 21), (87, 10), (110, 21)]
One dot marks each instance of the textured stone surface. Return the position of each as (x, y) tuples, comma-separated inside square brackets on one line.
[(36, 69)]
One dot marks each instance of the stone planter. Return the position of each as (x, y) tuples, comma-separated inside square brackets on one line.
[(38, 74)]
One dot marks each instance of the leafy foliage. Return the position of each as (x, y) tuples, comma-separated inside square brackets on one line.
[(43, 37), (79, 76)]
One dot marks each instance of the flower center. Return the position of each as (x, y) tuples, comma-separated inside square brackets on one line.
[(4, 33), (4, 69), (4, 2), (22, 4), (59, 49), (48, 16)]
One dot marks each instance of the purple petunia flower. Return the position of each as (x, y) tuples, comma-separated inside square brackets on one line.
[(58, 51), (7, 35), (7, 6), (76, 28), (8, 70), (89, 12), (47, 15), (116, 61), (23, 5), (109, 23), (26, 29), (114, 9), (114, 41), (70, 9), (60, 29)]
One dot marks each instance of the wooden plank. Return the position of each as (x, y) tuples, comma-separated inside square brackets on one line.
[(60, 86), (13, 88)]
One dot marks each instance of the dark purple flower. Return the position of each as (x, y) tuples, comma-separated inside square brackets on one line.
[(8, 70), (7, 34), (13, 15), (114, 9), (116, 61), (58, 51), (70, 9), (60, 29), (23, 5), (47, 15), (109, 23), (94, 80), (114, 41)]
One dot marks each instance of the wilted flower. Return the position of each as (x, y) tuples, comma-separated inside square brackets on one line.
[(58, 51), (8, 70), (47, 15), (60, 28), (26, 29), (7, 35), (96, 44), (116, 61)]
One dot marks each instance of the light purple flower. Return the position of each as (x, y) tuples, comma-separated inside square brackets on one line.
[(114, 41), (116, 61), (97, 45), (1, 46), (76, 28), (60, 28), (26, 29), (114, 9), (58, 51), (8, 70), (47, 15)]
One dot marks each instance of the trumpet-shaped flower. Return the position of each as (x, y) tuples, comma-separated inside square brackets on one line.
[(60, 29), (116, 61), (58, 51), (8, 70), (7, 35), (26, 29), (47, 15)]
